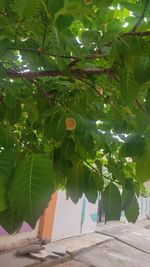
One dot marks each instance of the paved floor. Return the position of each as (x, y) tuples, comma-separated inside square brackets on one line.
[(129, 247), (9, 259), (114, 245)]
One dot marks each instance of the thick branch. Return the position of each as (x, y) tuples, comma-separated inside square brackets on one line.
[(33, 75), (142, 16), (141, 34), (55, 73)]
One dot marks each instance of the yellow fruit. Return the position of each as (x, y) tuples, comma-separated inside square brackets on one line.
[(70, 124), (88, 2)]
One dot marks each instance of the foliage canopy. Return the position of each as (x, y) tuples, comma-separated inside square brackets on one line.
[(74, 105)]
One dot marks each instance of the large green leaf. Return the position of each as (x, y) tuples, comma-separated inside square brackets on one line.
[(14, 113), (76, 181), (7, 164), (147, 102), (128, 86), (63, 22), (90, 189), (26, 8), (4, 44), (135, 8), (68, 148), (133, 146), (132, 211), (10, 100), (55, 127), (32, 186), (143, 166), (3, 203), (142, 68), (111, 202), (10, 220), (127, 198), (53, 8), (6, 139)]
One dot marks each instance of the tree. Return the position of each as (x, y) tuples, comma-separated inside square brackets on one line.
[(74, 105)]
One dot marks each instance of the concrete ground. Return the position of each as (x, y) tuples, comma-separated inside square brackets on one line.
[(113, 245)]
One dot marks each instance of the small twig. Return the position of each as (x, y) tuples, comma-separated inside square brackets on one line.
[(106, 177), (41, 89), (40, 51), (141, 17), (141, 108), (74, 59)]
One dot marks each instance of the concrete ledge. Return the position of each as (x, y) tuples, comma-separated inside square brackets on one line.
[(51, 262), (74, 246)]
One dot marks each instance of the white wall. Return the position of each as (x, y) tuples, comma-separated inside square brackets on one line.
[(90, 220), (67, 218), (73, 219)]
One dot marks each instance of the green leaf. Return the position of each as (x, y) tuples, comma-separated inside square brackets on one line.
[(75, 181), (98, 180), (88, 37), (6, 139), (53, 8), (14, 114), (142, 68), (63, 22), (3, 111), (99, 165), (113, 53), (32, 186), (3, 204), (135, 8), (87, 142), (10, 220), (4, 44), (116, 171), (143, 166), (133, 146), (127, 198), (68, 148), (90, 190), (6, 164), (55, 127), (128, 86), (111, 202), (26, 8), (147, 102), (61, 165), (10, 100), (132, 212)]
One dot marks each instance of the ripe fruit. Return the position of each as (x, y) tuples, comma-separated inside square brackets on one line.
[(88, 2), (70, 124)]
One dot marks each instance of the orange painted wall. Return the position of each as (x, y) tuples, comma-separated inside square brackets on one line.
[(47, 219)]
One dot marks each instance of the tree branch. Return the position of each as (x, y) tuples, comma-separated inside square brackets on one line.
[(139, 105), (33, 75), (41, 51), (141, 17), (56, 73), (140, 34), (74, 59)]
